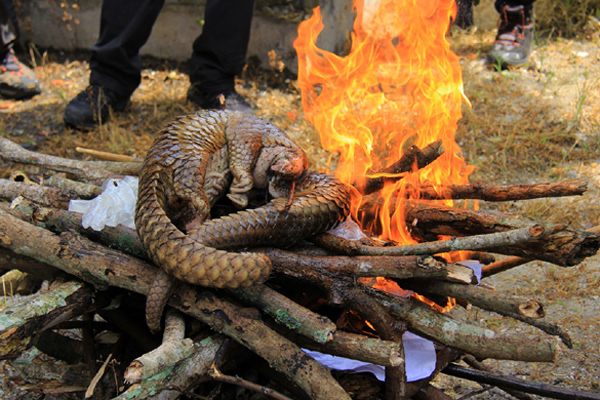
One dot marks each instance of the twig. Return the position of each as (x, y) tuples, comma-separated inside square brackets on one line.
[(218, 376), (106, 156), (90, 390)]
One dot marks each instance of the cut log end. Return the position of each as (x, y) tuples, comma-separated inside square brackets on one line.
[(532, 309)]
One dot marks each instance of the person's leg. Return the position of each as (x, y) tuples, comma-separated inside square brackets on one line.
[(514, 40), (115, 65), (219, 53), (125, 27), (17, 81)]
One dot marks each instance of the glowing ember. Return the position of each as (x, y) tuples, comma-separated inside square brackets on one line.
[(400, 85)]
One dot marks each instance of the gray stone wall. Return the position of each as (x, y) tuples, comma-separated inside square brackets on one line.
[(70, 25)]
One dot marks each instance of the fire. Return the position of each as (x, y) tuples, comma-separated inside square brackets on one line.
[(400, 85)]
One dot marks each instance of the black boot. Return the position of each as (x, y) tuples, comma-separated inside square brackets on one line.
[(514, 40), (91, 107)]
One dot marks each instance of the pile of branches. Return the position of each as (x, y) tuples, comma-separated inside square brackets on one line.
[(87, 319)]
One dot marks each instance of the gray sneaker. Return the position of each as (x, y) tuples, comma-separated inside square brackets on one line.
[(514, 40), (17, 81)]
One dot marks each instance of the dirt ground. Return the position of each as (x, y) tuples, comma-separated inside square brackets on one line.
[(534, 124)]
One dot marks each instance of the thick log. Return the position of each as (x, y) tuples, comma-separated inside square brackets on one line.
[(287, 263), (524, 310), (21, 322), (357, 347), (58, 221), (104, 267), (44, 195), (491, 192), (480, 342), (288, 313)]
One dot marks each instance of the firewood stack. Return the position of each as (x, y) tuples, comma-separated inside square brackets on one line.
[(89, 313)]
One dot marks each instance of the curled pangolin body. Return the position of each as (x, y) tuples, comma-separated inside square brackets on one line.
[(174, 174), (320, 203)]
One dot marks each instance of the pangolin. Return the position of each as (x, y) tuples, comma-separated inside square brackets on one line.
[(184, 173)]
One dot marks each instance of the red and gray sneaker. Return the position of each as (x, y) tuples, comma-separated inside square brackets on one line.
[(514, 40), (17, 81)]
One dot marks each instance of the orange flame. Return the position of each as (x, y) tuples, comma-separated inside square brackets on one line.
[(400, 85)]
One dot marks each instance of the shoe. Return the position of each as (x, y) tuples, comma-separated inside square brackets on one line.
[(16, 80), (91, 107), (232, 101), (514, 40)]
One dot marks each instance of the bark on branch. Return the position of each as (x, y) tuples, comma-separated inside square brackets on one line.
[(491, 192), (21, 322), (86, 171)]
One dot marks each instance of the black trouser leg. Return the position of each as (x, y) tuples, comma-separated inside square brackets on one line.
[(499, 4), (124, 28), (220, 51), (8, 26)]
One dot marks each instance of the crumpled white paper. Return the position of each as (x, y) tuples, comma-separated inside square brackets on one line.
[(114, 206), (418, 352)]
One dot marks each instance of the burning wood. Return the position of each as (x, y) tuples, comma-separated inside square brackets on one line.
[(332, 277), (392, 108)]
